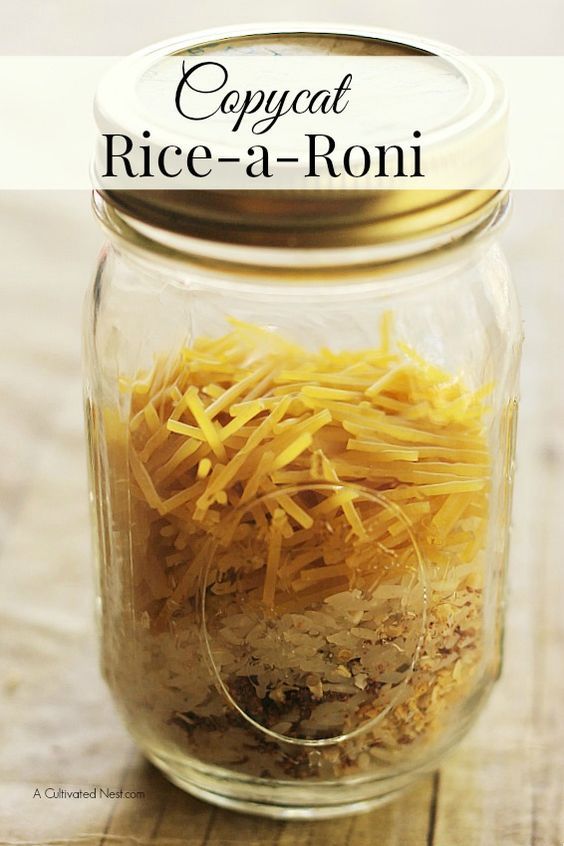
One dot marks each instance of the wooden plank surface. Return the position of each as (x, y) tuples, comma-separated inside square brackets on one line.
[(501, 787)]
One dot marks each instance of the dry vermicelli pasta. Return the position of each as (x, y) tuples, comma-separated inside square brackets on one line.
[(332, 508)]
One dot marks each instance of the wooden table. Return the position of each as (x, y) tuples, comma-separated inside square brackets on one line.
[(503, 784)]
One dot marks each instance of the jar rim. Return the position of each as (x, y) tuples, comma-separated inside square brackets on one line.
[(317, 218), (294, 265)]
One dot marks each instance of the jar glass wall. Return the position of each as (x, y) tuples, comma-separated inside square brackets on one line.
[(301, 485)]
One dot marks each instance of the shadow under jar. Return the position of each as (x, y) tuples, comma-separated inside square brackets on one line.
[(301, 450)]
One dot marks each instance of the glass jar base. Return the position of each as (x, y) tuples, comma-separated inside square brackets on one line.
[(279, 800)]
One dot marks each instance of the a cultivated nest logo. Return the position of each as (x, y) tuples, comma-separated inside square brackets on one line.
[(90, 793)]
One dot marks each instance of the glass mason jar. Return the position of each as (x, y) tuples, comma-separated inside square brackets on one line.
[(301, 451)]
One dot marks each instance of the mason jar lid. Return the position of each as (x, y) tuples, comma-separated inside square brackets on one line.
[(467, 131)]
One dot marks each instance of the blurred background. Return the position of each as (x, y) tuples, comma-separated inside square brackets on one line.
[(504, 784), (104, 27)]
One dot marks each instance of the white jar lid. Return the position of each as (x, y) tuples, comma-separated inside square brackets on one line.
[(459, 107)]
